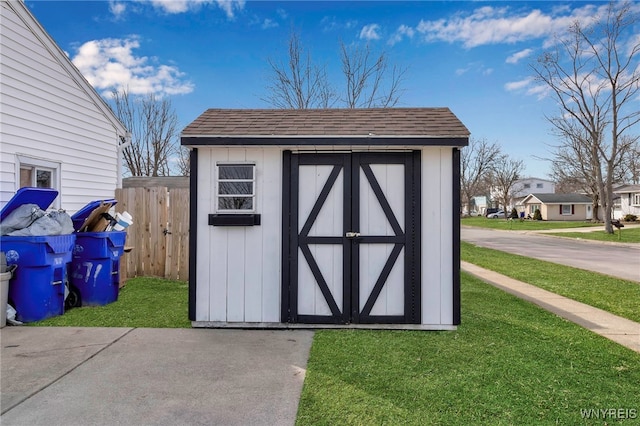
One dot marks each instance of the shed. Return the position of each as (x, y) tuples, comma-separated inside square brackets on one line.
[(55, 130), (559, 206), (332, 217)]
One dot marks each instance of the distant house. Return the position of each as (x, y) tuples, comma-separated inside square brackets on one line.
[(55, 130), (626, 201), (522, 188), (559, 206)]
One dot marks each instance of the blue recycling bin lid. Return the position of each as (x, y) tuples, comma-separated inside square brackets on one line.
[(81, 215), (42, 197)]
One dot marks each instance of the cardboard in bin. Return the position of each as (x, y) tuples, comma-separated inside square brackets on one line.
[(91, 218)]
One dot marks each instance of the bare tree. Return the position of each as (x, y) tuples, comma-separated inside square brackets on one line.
[(365, 76), (299, 83), (184, 161), (630, 161), (154, 130), (476, 162), (573, 165), (594, 75), (504, 174)]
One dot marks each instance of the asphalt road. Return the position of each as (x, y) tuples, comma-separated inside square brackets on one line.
[(618, 260)]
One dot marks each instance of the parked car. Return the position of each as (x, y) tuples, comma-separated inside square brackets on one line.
[(497, 215), (488, 211)]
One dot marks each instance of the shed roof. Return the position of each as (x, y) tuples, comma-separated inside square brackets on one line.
[(375, 126), (560, 198)]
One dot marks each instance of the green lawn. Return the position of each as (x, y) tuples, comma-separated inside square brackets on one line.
[(628, 235), (524, 225), (143, 302), (617, 296), (509, 363)]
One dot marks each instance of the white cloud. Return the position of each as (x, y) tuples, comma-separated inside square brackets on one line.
[(111, 64), (493, 25), (516, 57), (268, 23), (117, 8), (402, 32), (530, 87), (370, 32), (181, 6), (517, 85)]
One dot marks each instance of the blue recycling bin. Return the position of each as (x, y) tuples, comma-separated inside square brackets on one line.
[(95, 266), (37, 289)]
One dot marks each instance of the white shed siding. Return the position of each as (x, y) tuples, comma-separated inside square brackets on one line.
[(437, 238), (46, 114), (239, 268)]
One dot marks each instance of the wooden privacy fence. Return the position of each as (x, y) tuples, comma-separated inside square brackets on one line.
[(159, 234)]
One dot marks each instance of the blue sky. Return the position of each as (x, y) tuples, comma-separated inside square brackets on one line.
[(473, 57)]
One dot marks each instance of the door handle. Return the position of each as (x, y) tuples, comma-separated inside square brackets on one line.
[(352, 234)]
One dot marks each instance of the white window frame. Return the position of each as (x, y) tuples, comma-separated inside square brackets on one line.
[(25, 161), (533, 208), (563, 209), (252, 181), (636, 199)]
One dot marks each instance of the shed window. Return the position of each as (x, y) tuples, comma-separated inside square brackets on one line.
[(236, 187)]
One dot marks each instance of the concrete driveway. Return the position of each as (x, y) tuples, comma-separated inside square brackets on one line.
[(108, 376), (618, 260)]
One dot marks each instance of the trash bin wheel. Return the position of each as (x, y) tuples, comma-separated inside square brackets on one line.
[(73, 299)]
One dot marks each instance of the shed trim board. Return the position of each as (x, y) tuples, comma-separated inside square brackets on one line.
[(322, 141), (356, 229)]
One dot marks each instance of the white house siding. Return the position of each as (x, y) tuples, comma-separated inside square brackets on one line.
[(238, 269), (47, 115)]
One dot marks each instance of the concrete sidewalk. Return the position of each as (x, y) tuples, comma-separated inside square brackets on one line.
[(620, 330), (106, 376)]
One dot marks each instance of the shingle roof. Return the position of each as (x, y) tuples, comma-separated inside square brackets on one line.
[(562, 198), (384, 123), (626, 189)]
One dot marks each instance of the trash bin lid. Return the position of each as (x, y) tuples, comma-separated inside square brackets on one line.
[(42, 197), (81, 215)]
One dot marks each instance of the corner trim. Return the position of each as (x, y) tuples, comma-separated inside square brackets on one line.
[(193, 233)]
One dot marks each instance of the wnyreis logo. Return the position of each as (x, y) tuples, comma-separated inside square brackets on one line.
[(609, 413)]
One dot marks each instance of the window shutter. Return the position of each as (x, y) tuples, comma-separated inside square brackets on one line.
[(573, 209), (560, 208)]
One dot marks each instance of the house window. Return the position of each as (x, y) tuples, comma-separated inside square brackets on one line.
[(566, 209), (538, 185), (236, 187), (527, 185), (38, 173), (636, 199), (533, 208)]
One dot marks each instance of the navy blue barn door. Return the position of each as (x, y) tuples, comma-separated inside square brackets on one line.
[(351, 250)]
